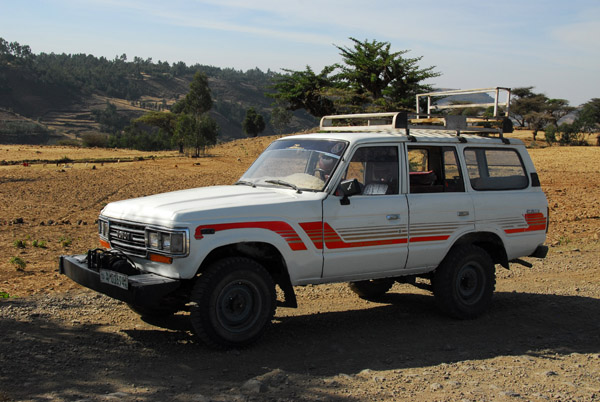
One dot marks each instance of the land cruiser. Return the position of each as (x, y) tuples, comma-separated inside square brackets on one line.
[(370, 199)]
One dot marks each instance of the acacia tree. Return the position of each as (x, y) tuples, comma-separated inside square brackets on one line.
[(589, 116), (371, 77), (537, 110), (253, 123)]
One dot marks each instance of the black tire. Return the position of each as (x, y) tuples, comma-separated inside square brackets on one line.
[(464, 282), (232, 302), (153, 312), (371, 289)]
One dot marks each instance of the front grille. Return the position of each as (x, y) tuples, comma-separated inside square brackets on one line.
[(127, 237)]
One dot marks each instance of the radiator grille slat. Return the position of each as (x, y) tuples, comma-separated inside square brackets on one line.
[(127, 237)]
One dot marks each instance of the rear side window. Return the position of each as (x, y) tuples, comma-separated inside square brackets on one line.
[(495, 169)]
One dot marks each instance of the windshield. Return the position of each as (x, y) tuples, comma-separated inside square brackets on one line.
[(298, 164)]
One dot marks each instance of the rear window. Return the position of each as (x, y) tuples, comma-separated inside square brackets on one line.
[(495, 169)]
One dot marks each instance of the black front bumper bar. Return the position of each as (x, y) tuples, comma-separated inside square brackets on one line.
[(143, 289)]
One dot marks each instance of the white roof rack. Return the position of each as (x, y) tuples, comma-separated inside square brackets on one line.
[(400, 123), (374, 121)]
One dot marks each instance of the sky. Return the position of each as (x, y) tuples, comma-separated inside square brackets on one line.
[(551, 45)]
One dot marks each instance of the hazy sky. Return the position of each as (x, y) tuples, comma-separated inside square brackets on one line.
[(549, 44)]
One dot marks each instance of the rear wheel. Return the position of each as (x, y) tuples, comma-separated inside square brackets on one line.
[(371, 289), (233, 302), (464, 282)]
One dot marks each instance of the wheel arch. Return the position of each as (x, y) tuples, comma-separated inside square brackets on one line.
[(488, 241), (265, 254)]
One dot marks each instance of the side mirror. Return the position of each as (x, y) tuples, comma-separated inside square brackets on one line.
[(348, 188)]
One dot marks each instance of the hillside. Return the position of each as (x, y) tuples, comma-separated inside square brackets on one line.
[(59, 92)]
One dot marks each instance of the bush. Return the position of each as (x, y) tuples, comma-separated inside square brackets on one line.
[(39, 244), (19, 243), (18, 262), (571, 134), (550, 134), (65, 241), (95, 140)]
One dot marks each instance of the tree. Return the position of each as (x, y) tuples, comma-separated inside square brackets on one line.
[(280, 118), (371, 77), (253, 123), (537, 110), (589, 116), (196, 133), (525, 102), (193, 127), (389, 78), (305, 90), (198, 101), (558, 108)]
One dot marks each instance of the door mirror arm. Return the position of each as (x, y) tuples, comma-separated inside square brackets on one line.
[(348, 188)]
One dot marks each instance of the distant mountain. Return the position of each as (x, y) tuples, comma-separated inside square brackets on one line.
[(57, 94)]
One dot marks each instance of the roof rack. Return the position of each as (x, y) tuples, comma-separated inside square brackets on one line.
[(457, 92), (400, 122)]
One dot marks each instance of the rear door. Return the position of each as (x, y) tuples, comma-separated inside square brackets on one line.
[(440, 209)]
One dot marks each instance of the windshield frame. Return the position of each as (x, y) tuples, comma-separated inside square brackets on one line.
[(310, 166)]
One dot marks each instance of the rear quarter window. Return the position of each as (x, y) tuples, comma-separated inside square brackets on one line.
[(492, 169)]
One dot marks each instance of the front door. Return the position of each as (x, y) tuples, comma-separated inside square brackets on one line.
[(368, 237)]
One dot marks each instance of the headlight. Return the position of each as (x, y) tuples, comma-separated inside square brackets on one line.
[(167, 242), (103, 228)]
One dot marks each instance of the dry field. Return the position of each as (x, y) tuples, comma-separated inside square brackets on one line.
[(540, 340)]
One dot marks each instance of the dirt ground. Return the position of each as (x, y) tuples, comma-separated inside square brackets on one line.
[(59, 341)]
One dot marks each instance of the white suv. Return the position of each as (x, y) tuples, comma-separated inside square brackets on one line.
[(369, 205)]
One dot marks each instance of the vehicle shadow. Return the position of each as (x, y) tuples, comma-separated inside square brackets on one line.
[(399, 331), (406, 330)]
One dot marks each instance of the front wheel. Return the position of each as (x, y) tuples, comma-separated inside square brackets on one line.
[(464, 282), (232, 302)]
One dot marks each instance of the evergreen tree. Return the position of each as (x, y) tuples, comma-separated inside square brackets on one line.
[(253, 123), (371, 78)]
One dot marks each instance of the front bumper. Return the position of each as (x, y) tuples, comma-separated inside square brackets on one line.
[(148, 290)]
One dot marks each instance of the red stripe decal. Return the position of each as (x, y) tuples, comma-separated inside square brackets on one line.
[(428, 238), (536, 221), (281, 228), (320, 233)]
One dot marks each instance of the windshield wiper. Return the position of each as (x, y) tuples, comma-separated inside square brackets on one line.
[(284, 183), (245, 183)]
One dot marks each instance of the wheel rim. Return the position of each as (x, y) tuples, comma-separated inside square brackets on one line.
[(470, 283), (238, 306)]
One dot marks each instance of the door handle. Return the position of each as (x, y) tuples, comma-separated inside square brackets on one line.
[(463, 213), (392, 217)]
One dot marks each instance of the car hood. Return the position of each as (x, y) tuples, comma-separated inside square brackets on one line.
[(205, 203)]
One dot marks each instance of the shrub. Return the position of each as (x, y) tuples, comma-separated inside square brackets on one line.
[(65, 241), (19, 243), (550, 134), (39, 244), (92, 140), (18, 262), (4, 295)]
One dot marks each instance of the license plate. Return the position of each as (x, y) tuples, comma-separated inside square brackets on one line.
[(114, 278)]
